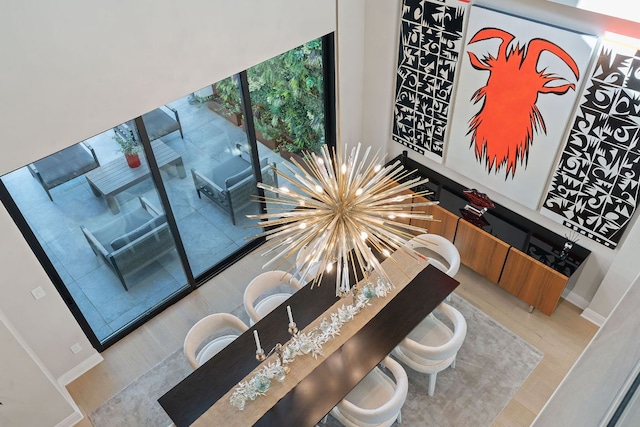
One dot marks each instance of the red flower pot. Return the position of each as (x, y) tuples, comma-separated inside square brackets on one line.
[(133, 160)]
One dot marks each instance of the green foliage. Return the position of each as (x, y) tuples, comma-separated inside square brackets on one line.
[(126, 141), (227, 93), (287, 97)]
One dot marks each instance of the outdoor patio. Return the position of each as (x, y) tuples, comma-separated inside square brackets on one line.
[(206, 230)]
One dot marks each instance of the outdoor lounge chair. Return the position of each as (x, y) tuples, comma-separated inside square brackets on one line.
[(159, 122), (231, 184), (131, 241), (162, 121), (63, 166)]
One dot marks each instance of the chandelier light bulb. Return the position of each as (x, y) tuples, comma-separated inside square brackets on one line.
[(350, 205)]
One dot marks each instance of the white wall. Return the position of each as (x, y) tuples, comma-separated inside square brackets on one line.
[(349, 42), (46, 324), (596, 384), (72, 69), (381, 44), (28, 393)]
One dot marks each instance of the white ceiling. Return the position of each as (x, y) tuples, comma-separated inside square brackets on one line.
[(623, 9)]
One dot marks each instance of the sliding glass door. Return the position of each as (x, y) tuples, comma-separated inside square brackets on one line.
[(96, 216), (211, 203), (132, 219)]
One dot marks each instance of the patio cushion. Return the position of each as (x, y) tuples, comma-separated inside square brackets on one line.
[(64, 165), (159, 123), (231, 185), (135, 234), (121, 225), (228, 169), (234, 179)]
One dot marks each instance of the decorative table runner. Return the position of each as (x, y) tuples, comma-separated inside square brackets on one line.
[(401, 269)]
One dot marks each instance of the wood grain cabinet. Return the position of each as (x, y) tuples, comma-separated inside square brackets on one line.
[(445, 223), (480, 251), (523, 276), (532, 281)]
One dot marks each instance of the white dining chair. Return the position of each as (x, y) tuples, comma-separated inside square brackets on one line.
[(200, 344), (432, 346), (377, 400), (440, 246), (258, 307)]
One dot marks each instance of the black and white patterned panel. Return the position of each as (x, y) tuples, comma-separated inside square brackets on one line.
[(430, 43), (595, 186)]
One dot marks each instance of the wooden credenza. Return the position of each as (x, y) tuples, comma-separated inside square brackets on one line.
[(525, 277), (480, 251), (445, 223), (498, 260), (532, 281)]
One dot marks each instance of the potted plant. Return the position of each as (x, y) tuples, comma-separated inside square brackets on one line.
[(129, 147)]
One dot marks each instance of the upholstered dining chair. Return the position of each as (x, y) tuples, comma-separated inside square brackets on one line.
[(377, 400), (198, 345), (269, 286), (432, 346), (440, 246)]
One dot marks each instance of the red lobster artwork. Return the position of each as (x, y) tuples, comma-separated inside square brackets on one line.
[(502, 131)]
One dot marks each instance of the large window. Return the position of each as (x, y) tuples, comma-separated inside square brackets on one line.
[(99, 222), (129, 220)]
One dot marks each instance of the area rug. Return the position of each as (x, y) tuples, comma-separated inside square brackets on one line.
[(492, 364)]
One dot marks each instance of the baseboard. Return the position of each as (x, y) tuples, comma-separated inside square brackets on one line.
[(80, 369), (71, 420), (593, 317), (582, 303), (576, 300)]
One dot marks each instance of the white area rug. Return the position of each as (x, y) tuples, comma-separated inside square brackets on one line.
[(492, 364)]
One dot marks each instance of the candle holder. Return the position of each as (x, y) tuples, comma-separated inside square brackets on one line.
[(279, 350), (354, 292), (260, 356), (293, 328)]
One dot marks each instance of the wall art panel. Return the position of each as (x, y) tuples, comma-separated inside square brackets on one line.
[(595, 186), (515, 96), (430, 43)]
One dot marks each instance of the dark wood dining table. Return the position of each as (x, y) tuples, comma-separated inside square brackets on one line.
[(328, 383)]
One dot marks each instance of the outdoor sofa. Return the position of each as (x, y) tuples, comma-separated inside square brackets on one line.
[(63, 166), (132, 240), (231, 184)]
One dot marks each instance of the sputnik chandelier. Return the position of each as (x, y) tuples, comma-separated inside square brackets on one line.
[(336, 211)]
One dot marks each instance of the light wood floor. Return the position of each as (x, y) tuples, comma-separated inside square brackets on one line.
[(561, 338)]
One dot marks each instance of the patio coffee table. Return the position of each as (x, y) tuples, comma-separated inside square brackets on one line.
[(116, 176)]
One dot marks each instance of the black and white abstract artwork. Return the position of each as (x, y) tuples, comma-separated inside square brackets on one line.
[(430, 43), (594, 189)]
